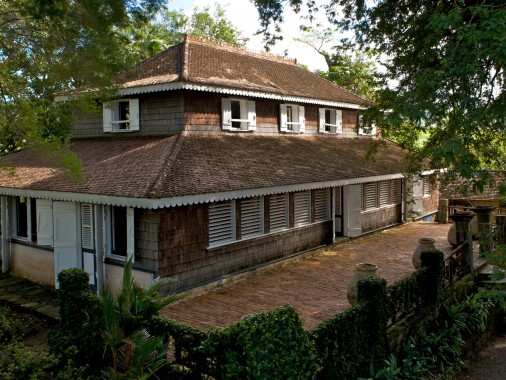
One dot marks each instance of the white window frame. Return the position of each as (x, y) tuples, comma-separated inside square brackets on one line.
[(130, 234), (298, 118), (43, 217), (363, 129), (247, 117), (222, 224), (301, 208), (279, 212), (111, 117), (336, 121), (252, 217)]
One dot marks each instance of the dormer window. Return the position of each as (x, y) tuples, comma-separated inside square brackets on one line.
[(365, 127), (121, 115), (238, 114), (331, 121), (292, 118)]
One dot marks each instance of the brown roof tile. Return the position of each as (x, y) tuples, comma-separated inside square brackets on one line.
[(186, 165), (205, 63)]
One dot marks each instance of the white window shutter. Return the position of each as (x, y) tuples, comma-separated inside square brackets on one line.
[(339, 121), (321, 125), (130, 234), (373, 130), (252, 116), (283, 118), (87, 228), (302, 119), (107, 116), (226, 113), (134, 114), (44, 221)]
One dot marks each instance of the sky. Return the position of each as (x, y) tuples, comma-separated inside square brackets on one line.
[(249, 24)]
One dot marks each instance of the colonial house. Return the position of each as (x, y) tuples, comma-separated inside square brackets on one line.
[(211, 161)]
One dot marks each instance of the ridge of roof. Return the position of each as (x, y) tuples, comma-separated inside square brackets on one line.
[(167, 166), (241, 50)]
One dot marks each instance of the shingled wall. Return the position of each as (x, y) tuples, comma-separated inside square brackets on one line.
[(185, 256)]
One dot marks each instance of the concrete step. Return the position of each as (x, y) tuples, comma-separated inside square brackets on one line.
[(479, 263), (485, 274)]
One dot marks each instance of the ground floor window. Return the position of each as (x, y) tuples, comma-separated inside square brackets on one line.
[(235, 220), (120, 232), (381, 194), (34, 220)]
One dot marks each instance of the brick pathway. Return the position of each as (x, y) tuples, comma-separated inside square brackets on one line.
[(315, 285)]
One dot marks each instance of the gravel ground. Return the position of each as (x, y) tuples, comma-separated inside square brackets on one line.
[(491, 362)]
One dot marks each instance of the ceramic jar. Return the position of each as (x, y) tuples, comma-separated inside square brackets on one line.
[(362, 270), (424, 244)]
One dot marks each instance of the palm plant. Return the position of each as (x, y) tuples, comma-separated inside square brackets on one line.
[(135, 354)]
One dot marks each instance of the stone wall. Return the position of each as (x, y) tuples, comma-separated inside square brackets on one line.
[(185, 256), (379, 218)]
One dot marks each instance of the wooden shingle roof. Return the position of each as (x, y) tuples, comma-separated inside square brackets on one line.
[(186, 166), (203, 63)]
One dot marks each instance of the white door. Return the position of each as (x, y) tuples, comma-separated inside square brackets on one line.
[(352, 207), (65, 237)]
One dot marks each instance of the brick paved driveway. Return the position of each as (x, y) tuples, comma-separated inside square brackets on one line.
[(315, 285)]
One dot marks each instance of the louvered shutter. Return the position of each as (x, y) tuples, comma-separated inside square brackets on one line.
[(395, 191), (221, 223), (107, 111), (338, 205), (321, 125), (44, 209), (426, 185), (302, 119), (130, 234), (134, 114), (252, 217), (278, 212), (370, 196), (339, 121), (322, 205), (283, 118), (87, 222), (252, 116), (301, 208), (226, 113), (384, 193)]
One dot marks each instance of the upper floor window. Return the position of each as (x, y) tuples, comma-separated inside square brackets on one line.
[(331, 121), (121, 115), (365, 127), (292, 118), (238, 114)]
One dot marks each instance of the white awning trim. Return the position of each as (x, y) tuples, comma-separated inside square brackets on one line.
[(186, 200), (223, 90)]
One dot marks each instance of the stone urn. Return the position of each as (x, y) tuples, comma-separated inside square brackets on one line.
[(452, 235), (424, 244), (362, 270)]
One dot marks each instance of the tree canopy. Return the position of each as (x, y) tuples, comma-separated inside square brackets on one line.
[(445, 63)]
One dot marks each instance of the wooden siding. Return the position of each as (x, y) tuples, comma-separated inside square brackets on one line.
[(185, 256), (382, 217)]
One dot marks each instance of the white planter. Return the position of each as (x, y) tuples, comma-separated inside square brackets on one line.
[(423, 245), (362, 270)]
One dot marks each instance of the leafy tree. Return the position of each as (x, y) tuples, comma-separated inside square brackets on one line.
[(447, 62), (54, 46), (352, 70), (170, 27)]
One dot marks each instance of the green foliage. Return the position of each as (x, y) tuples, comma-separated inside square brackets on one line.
[(125, 317), (10, 329), (77, 338), (271, 345), (21, 362), (348, 342)]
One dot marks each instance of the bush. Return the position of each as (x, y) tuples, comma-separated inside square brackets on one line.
[(77, 339), (22, 362), (270, 345)]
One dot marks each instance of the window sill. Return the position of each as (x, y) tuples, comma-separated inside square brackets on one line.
[(239, 130), (28, 243), (380, 208), (261, 236)]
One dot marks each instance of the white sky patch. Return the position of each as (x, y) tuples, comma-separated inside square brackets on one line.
[(244, 16)]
